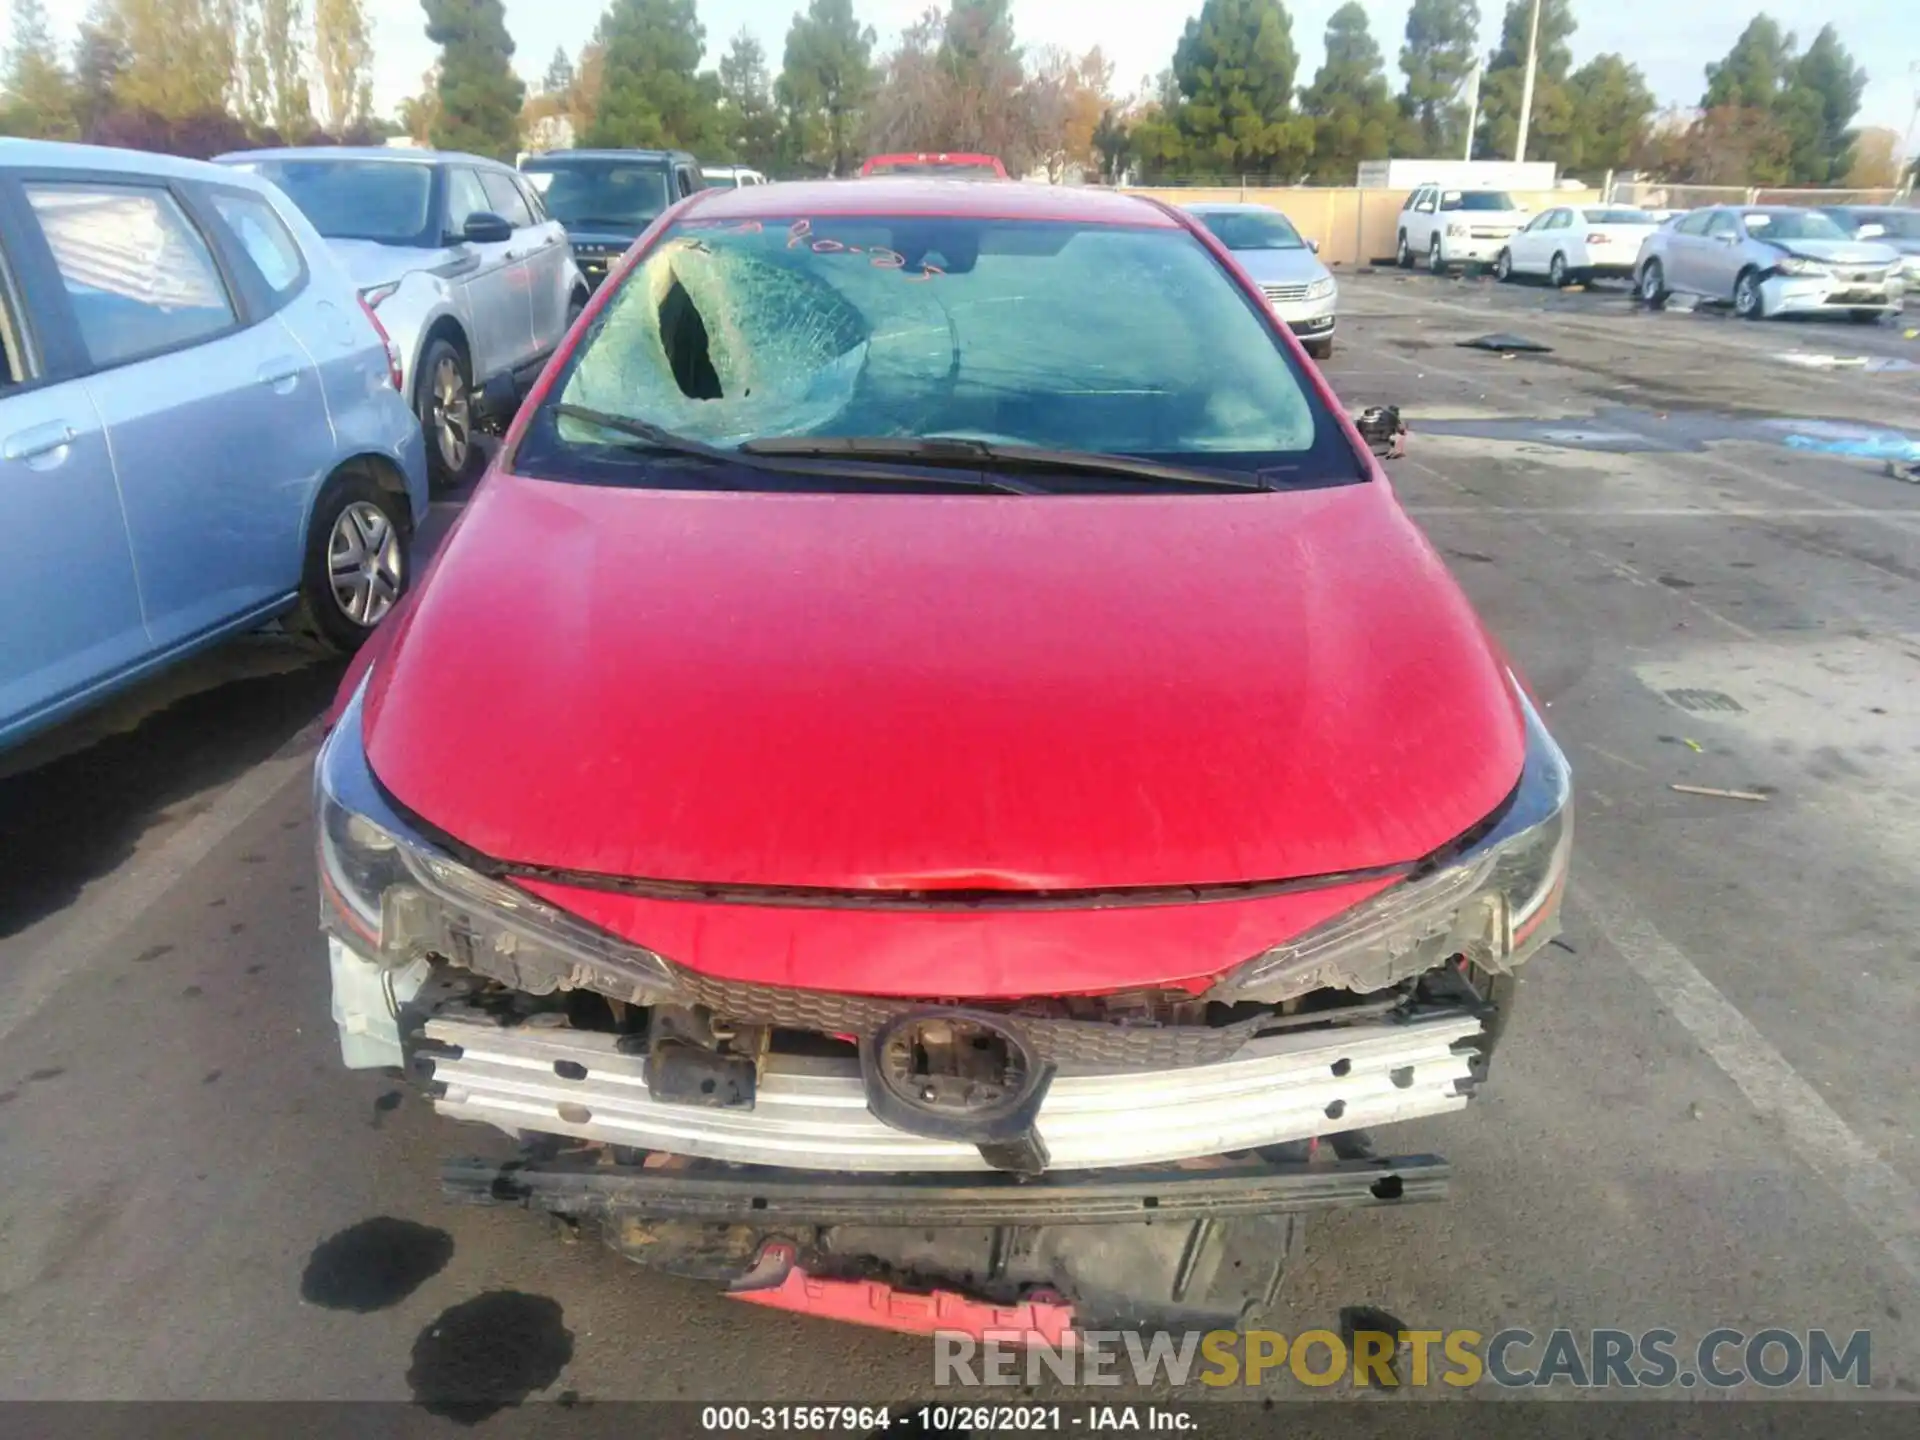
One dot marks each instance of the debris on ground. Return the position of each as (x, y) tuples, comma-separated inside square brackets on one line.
[(1864, 444), (1717, 794), (1501, 342), (1907, 470), (1814, 361), (1383, 430)]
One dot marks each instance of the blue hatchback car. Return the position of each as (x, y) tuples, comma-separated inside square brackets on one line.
[(200, 426)]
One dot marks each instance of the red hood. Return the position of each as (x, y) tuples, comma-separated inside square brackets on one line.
[(891, 691)]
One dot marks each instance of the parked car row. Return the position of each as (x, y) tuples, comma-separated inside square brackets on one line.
[(1764, 260)]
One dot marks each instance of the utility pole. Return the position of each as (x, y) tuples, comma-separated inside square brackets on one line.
[(1473, 105), (1906, 145), (1526, 87)]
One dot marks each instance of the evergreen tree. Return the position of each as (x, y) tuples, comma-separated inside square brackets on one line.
[(1354, 116), (826, 81), (1235, 66), (1754, 71), (559, 77), (746, 96), (1442, 39), (1828, 73), (479, 95), (652, 91), (1612, 114)]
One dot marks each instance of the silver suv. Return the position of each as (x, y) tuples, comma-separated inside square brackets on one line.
[(457, 256)]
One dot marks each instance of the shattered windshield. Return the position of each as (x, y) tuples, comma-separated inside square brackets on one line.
[(1070, 337)]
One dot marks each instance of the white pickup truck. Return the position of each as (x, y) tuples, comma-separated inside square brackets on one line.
[(1455, 227)]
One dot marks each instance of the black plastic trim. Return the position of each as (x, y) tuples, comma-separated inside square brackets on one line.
[(799, 1197)]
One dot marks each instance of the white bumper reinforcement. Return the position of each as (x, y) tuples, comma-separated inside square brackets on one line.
[(812, 1114)]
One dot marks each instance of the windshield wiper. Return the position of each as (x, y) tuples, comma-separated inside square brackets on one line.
[(947, 450), (654, 437)]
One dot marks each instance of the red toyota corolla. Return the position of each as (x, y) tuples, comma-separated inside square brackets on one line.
[(933, 772)]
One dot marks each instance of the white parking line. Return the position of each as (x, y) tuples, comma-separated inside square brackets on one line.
[(1879, 1197), (105, 915)]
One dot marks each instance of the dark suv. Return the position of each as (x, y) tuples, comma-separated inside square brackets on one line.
[(605, 198)]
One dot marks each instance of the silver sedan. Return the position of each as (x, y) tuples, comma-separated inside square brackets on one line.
[(1769, 260), (1285, 267)]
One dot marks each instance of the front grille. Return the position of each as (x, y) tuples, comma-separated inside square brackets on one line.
[(1077, 1044), (1490, 232), (1284, 294)]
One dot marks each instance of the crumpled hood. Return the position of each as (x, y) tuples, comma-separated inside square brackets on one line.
[(1839, 252), (888, 691)]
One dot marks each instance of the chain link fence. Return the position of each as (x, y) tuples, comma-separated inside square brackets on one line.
[(1658, 195)]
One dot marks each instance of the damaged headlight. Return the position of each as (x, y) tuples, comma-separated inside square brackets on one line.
[(1495, 903), (392, 896), (1801, 265)]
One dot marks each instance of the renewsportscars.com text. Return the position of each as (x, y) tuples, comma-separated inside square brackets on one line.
[(1722, 1359)]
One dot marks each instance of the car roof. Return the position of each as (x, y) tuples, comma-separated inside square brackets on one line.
[(1232, 207), (399, 155), (1014, 200), (949, 157), (564, 157), (59, 155)]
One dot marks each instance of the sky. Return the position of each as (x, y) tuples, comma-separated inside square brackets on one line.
[(1140, 35)]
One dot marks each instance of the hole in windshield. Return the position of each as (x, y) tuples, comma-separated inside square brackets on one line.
[(683, 334), (1100, 339)]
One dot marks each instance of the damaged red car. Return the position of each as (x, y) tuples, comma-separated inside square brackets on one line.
[(933, 781)]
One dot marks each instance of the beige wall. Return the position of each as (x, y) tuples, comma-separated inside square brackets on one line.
[(1352, 226)]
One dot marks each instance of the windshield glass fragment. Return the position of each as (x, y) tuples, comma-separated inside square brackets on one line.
[(1085, 338)]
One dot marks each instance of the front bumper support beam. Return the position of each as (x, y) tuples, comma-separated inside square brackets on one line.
[(810, 1198)]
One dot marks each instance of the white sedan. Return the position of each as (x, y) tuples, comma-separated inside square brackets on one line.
[(1576, 243)]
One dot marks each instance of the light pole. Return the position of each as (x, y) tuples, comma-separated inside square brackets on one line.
[(1526, 86), (1473, 105), (1906, 145)]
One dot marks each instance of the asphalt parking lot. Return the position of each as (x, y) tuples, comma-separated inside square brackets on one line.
[(1703, 1115)]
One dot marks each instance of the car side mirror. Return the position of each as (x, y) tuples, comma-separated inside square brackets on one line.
[(1314, 246), (483, 227)]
